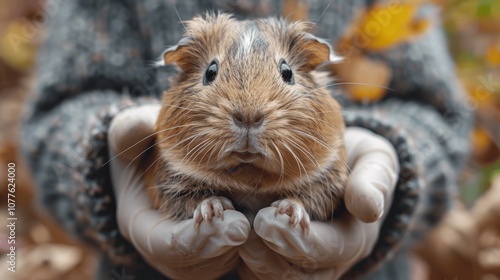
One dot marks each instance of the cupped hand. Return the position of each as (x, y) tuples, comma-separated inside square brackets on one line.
[(173, 248), (278, 251)]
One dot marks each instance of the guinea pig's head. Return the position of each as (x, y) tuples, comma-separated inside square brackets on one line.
[(246, 104)]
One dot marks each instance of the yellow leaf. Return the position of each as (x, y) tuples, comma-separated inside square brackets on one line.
[(364, 79), (493, 54), (479, 93), (384, 26), (480, 141), (17, 46)]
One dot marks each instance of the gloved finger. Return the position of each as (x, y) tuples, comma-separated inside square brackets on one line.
[(128, 185), (211, 239), (337, 242), (130, 135), (131, 132), (181, 252), (374, 164), (260, 262), (149, 231), (193, 267)]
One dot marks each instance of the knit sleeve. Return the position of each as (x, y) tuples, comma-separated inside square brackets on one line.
[(91, 66), (428, 122)]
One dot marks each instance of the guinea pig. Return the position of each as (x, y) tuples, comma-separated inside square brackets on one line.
[(248, 123)]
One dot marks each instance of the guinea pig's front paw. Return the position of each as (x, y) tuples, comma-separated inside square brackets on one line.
[(210, 207), (295, 209)]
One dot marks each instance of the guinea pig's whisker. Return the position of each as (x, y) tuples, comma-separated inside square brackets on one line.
[(289, 103), (309, 156), (329, 111), (300, 165), (180, 142), (144, 172), (325, 86), (320, 88), (179, 16), (282, 164), (185, 109), (362, 84), (147, 149), (316, 119), (213, 145), (136, 143), (253, 191), (343, 162), (192, 138), (211, 153), (328, 6), (308, 135), (307, 153), (206, 147), (199, 148), (256, 187), (173, 127), (210, 144), (219, 156), (325, 145), (151, 165)]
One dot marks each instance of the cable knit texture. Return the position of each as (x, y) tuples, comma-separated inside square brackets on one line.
[(94, 63)]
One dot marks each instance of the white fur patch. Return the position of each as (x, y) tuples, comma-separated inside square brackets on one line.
[(247, 41)]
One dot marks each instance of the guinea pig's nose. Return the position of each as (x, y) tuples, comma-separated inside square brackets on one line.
[(242, 121)]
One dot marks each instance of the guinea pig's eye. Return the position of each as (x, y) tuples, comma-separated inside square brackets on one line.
[(211, 72), (286, 72)]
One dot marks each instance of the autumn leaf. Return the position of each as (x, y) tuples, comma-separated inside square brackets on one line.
[(481, 141), (493, 54), (16, 48), (478, 93), (485, 151), (363, 78), (382, 27)]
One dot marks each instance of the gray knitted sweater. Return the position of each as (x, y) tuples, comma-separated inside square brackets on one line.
[(94, 64)]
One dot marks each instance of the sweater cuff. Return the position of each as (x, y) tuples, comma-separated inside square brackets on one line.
[(406, 195), (95, 198)]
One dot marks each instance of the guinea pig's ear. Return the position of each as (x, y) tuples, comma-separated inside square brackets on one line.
[(317, 52), (177, 55)]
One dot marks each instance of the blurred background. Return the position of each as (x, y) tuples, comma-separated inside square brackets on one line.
[(465, 246)]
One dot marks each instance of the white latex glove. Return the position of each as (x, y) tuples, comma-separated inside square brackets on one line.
[(173, 248), (278, 251)]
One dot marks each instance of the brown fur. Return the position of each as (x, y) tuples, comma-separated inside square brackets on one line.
[(302, 134)]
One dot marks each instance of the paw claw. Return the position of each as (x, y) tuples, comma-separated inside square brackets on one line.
[(210, 207), (306, 224), (295, 209), (197, 218), (219, 214)]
